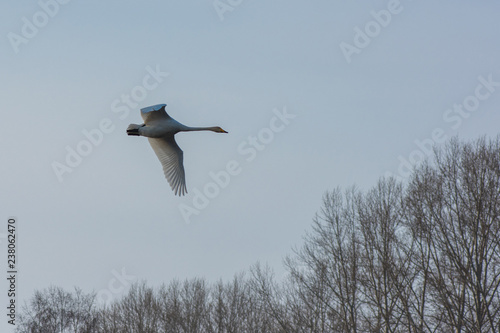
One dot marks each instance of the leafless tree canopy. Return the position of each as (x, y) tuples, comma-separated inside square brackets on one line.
[(56, 310), (417, 257)]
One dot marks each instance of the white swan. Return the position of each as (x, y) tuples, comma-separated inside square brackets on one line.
[(160, 129)]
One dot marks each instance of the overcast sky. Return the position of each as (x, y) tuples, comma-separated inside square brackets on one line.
[(314, 95)]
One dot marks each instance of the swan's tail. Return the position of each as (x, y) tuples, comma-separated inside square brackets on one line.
[(133, 129)]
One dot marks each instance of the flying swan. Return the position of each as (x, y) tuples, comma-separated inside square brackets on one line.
[(160, 129)]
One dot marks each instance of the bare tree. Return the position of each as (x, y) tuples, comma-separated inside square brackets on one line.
[(271, 301), (137, 311), (387, 273), (56, 310), (456, 209), (325, 272), (170, 304), (231, 307)]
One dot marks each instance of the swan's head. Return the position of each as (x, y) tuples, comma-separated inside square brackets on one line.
[(219, 130)]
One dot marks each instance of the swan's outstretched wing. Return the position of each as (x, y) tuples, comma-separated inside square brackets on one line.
[(171, 156), (153, 113)]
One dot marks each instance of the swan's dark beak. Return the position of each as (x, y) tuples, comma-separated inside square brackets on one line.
[(222, 131)]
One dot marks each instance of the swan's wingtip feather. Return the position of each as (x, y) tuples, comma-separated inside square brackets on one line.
[(153, 108)]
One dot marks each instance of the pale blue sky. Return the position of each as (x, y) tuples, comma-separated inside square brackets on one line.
[(354, 122)]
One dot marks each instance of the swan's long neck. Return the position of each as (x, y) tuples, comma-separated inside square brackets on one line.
[(192, 129)]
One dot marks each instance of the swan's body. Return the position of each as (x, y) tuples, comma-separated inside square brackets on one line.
[(160, 129)]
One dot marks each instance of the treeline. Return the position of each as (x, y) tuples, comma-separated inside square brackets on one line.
[(423, 256)]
